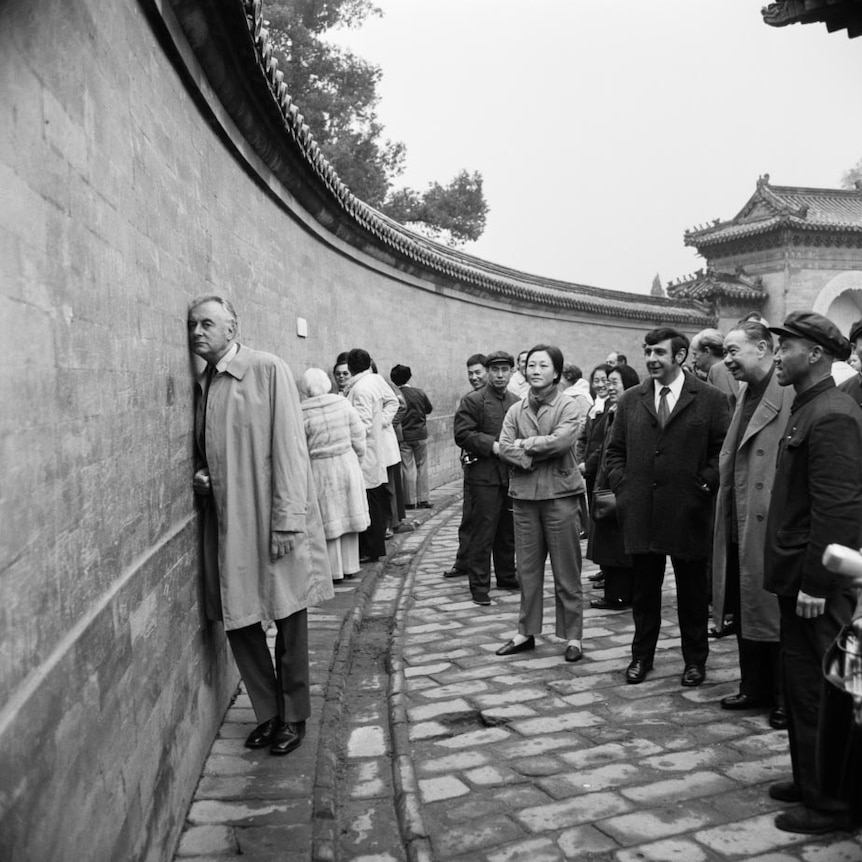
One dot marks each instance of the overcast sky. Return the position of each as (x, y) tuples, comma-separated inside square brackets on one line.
[(605, 128)]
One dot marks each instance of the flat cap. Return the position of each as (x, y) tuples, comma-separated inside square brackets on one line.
[(855, 331), (817, 328), (499, 357)]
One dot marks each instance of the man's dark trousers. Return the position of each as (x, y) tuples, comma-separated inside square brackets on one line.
[(491, 533), (692, 606), (803, 644)]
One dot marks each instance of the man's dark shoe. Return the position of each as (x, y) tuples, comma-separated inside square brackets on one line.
[(573, 653), (424, 504), (510, 647), (778, 718), (694, 674), (637, 671), (610, 604), (742, 701), (809, 821), (785, 791), (455, 573), (288, 737), (508, 585), (598, 576), (262, 735), (410, 506), (482, 599)]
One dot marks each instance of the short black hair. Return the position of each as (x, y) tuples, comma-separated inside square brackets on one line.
[(400, 374), (341, 358), (477, 359), (755, 331), (678, 341), (358, 360), (554, 353), (622, 358), (627, 374)]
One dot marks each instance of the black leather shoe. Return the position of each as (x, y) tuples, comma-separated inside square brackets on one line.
[(262, 735), (637, 671), (455, 573), (785, 791), (288, 737), (694, 674), (508, 585), (741, 701), (610, 604), (510, 647), (809, 821), (778, 718), (598, 576), (424, 504), (573, 653), (482, 599)]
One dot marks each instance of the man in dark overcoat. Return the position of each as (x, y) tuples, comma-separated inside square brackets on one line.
[(816, 500), (477, 426), (662, 462)]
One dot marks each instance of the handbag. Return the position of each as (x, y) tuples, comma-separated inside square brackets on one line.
[(604, 504), (839, 728)]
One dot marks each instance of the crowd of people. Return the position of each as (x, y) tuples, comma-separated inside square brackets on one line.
[(738, 457)]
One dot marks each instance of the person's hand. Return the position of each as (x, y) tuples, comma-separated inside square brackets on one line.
[(495, 447), (201, 482), (281, 542), (809, 607)]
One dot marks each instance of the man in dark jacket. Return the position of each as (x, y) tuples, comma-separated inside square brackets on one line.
[(662, 463), (816, 500), (478, 422), (414, 439)]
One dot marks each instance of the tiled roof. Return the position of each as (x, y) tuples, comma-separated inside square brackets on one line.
[(399, 243), (773, 207), (835, 14), (715, 285)]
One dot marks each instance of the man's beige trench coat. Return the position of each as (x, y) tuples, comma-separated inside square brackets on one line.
[(752, 473), (261, 481)]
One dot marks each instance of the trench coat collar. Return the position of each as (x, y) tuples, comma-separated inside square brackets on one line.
[(766, 411)]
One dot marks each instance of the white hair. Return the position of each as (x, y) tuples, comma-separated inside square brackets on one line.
[(315, 381)]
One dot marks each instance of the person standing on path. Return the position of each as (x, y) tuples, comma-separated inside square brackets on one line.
[(264, 550), (477, 376), (853, 386), (478, 422), (546, 498), (816, 501), (746, 467), (662, 463), (414, 442)]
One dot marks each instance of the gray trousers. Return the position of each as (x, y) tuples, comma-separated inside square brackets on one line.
[(281, 690), (549, 528)]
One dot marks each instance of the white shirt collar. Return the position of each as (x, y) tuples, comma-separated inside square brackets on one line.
[(223, 363), (673, 395)]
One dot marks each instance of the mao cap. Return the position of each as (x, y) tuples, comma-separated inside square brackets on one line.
[(817, 328), (856, 331), (499, 357)]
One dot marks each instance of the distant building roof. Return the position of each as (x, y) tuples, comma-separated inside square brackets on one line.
[(835, 14), (773, 207), (713, 286)]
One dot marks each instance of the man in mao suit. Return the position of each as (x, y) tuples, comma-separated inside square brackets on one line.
[(816, 500), (746, 468), (662, 463), (264, 549), (477, 426)]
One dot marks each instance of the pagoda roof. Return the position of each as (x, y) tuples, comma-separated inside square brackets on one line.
[(773, 207), (714, 285), (835, 14)]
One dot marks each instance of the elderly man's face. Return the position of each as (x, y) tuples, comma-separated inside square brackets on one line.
[(792, 359), (743, 357), (611, 360), (499, 375), (701, 356), (211, 331)]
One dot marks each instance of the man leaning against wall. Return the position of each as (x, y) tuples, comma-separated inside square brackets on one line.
[(264, 549)]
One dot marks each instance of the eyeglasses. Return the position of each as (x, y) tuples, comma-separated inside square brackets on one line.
[(342, 374)]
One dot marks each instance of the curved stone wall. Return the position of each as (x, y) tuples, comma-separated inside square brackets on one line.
[(145, 157)]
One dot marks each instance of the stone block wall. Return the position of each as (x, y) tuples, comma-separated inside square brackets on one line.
[(119, 203)]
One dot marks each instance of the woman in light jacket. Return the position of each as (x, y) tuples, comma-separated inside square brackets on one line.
[(336, 443), (546, 494)]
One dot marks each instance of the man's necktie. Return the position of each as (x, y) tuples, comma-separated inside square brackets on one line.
[(663, 409), (211, 372)]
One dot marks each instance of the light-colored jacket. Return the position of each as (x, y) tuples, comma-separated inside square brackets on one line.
[(376, 405), (548, 437), (261, 481), (336, 444), (751, 473)]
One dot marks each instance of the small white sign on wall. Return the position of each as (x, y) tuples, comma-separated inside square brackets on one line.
[(302, 327)]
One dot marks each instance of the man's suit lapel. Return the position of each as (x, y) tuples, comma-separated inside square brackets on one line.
[(647, 398), (686, 397)]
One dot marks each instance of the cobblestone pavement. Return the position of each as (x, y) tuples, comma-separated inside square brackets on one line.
[(440, 750)]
